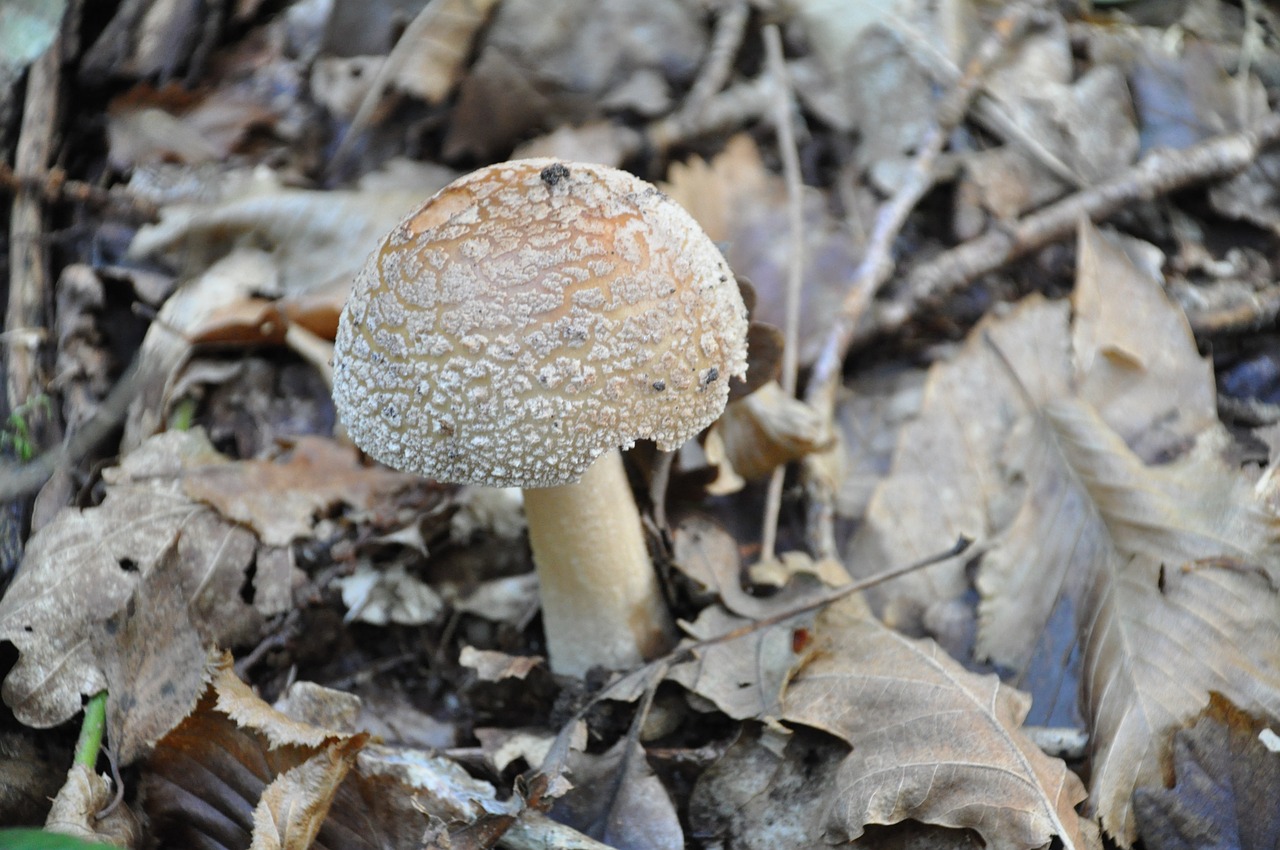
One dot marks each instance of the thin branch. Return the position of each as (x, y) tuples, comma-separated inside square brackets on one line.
[(53, 186), (1157, 174), (782, 118), (877, 262), (731, 25)]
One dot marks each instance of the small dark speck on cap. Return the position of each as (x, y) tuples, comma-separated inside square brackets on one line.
[(659, 385), (553, 174), (713, 374)]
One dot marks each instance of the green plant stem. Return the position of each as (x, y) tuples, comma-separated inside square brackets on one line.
[(95, 722)]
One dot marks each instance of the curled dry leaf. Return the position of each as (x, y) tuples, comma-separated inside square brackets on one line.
[(237, 771), (765, 430), (931, 742)]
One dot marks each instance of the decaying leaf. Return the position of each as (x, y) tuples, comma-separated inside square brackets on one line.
[(68, 610), (760, 794), (931, 742), (1227, 782)]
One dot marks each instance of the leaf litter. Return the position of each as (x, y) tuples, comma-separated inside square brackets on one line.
[(1124, 576)]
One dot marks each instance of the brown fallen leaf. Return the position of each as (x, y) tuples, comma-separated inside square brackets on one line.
[(206, 778), (279, 499), (238, 773), (1226, 784), (931, 742)]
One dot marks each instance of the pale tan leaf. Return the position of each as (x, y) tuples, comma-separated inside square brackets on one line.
[(1161, 639), (740, 203), (293, 807), (946, 479), (931, 742), (743, 677), (1172, 571), (1134, 352)]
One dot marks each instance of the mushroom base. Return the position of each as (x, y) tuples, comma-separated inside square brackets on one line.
[(601, 603)]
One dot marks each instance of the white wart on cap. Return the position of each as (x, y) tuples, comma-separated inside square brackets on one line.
[(532, 316)]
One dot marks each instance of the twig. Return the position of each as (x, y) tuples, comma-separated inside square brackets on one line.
[(53, 186), (741, 103), (29, 272), (877, 263), (731, 24), (18, 480), (782, 118), (1157, 174), (682, 652), (988, 111)]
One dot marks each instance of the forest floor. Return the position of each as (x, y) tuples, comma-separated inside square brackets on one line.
[(985, 551)]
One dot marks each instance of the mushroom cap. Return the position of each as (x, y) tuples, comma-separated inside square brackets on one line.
[(531, 316)]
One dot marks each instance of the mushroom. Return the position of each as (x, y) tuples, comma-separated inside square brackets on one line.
[(524, 324)]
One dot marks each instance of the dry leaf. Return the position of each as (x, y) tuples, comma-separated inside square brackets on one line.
[(743, 677), (491, 666), (1135, 358), (743, 206), (279, 499), (931, 742), (765, 430), (945, 479), (389, 595), (294, 806)]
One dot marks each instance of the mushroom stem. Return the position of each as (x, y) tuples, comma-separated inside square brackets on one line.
[(601, 604)]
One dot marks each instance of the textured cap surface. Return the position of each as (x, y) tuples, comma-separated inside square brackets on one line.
[(531, 316)]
